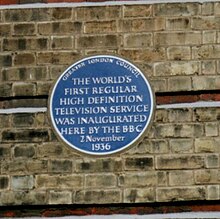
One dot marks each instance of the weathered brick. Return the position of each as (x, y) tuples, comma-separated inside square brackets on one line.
[(148, 54), (98, 13), (25, 15), (23, 198), (206, 176), (206, 114), (138, 40), (212, 161), (180, 115), (60, 166), (207, 8), (206, 145), (97, 41), (209, 37), (137, 180), (5, 60), (62, 43), (59, 28), (178, 23), (25, 151), (59, 181), (98, 196), (22, 182), (10, 44), (24, 59), (177, 9), (5, 89), (100, 181), (179, 53), (142, 24), (176, 162), (213, 192), (205, 82), (206, 52), (211, 129), (179, 84), (163, 131), (139, 195), (181, 145), (23, 89), (43, 88), (181, 193), (4, 182), (183, 177), (22, 120), (139, 163), (61, 13), (4, 121), (25, 135), (5, 30), (162, 178), (208, 67), (176, 68), (96, 27), (216, 8), (99, 165), (205, 23), (57, 58), (137, 10), (159, 85), (24, 29), (60, 197), (177, 38), (5, 151)]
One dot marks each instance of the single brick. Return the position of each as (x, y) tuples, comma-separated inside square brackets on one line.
[(208, 8), (159, 85), (183, 177), (138, 40), (5, 151), (178, 38), (100, 181), (4, 182), (5, 30), (22, 120), (23, 89), (6, 60), (179, 84), (178, 23), (97, 41), (205, 23), (98, 196), (24, 29), (139, 195), (208, 68), (213, 192), (181, 193), (96, 27), (206, 176), (61, 13), (177, 9), (5, 89), (24, 59), (25, 151), (179, 162), (209, 37), (139, 163), (22, 182), (207, 114), (176, 68), (62, 43), (137, 10), (181, 145), (211, 129), (205, 82), (43, 88), (98, 13), (137, 180), (212, 161), (60, 166), (206, 52), (60, 197), (206, 145), (59, 181), (180, 115), (179, 53)]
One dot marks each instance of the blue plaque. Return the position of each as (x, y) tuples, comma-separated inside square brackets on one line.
[(101, 105)]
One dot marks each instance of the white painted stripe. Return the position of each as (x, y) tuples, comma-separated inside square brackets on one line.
[(191, 215), (89, 4), (23, 110), (200, 104)]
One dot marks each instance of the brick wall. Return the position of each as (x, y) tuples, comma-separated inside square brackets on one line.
[(176, 44)]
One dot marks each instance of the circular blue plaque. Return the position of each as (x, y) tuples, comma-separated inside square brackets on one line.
[(101, 105)]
